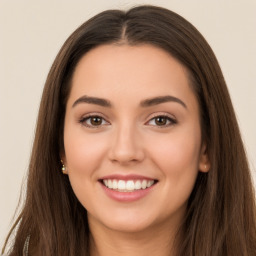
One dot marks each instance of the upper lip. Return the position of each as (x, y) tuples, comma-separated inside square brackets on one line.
[(126, 177)]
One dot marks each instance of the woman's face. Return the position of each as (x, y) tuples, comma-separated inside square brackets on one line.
[(132, 137)]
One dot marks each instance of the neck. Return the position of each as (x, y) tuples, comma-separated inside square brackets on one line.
[(153, 241)]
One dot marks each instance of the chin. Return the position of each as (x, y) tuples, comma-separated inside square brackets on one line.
[(127, 221)]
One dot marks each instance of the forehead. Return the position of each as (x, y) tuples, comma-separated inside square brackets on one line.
[(124, 71)]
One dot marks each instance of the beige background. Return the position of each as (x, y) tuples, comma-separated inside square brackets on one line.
[(31, 33)]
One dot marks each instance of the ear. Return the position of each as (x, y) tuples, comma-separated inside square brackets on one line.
[(204, 164), (64, 167)]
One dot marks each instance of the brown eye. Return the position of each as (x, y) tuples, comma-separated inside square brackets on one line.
[(164, 121), (96, 120), (93, 121), (161, 120)]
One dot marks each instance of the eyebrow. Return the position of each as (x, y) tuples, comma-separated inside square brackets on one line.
[(92, 100), (160, 100), (145, 103)]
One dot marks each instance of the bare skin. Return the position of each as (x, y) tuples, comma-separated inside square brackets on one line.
[(132, 116), (157, 241)]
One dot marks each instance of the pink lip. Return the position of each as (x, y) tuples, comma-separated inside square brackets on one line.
[(126, 196), (125, 177)]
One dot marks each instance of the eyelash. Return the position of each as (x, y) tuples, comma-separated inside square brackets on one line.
[(171, 121), (89, 117)]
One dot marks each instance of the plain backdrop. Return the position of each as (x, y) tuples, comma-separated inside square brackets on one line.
[(32, 32)]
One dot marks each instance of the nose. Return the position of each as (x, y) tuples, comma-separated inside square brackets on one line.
[(127, 146)]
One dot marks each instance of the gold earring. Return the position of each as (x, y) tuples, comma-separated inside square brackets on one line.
[(63, 167)]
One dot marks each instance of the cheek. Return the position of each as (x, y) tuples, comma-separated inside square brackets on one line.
[(177, 155), (83, 156), (83, 152), (177, 159)]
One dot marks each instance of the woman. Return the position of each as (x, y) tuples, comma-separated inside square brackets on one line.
[(137, 149)]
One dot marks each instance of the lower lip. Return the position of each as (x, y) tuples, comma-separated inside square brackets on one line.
[(126, 196)]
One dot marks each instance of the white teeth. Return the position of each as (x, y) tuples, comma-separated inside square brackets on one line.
[(137, 184), (144, 184), (129, 185), (110, 184), (150, 183), (121, 185), (114, 184)]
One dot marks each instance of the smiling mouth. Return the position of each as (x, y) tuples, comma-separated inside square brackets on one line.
[(128, 185)]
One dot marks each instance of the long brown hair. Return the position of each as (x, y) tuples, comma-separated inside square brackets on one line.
[(221, 215)]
